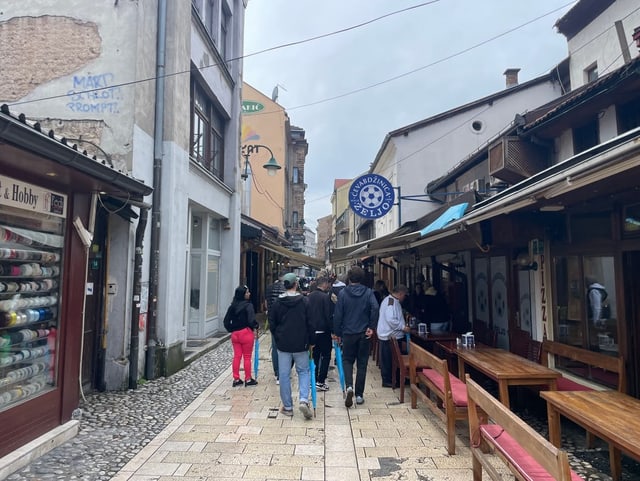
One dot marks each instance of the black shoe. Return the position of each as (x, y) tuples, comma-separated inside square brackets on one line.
[(237, 382), (348, 402), (386, 384), (251, 382)]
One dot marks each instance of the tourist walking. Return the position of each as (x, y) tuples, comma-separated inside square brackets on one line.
[(321, 315), (390, 325), (271, 294), (240, 321), (354, 319), (289, 322)]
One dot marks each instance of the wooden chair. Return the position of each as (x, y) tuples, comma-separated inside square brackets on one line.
[(519, 342), (399, 366), (534, 353)]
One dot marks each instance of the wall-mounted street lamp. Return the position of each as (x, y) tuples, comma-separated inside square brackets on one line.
[(271, 165)]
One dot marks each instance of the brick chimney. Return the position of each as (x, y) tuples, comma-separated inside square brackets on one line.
[(511, 75)]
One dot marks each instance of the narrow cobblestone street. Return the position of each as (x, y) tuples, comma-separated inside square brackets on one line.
[(195, 426)]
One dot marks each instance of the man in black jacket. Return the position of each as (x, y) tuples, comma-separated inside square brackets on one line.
[(321, 316), (290, 325), (272, 293), (355, 319)]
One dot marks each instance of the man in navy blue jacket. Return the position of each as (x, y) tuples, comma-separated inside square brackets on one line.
[(321, 316), (355, 318)]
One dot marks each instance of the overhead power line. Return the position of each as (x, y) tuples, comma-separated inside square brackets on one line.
[(289, 44)]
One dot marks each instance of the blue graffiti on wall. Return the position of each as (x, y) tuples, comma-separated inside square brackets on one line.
[(94, 94)]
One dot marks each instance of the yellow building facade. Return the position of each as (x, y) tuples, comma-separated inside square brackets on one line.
[(264, 123)]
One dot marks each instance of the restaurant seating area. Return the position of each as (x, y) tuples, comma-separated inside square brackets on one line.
[(531, 364)]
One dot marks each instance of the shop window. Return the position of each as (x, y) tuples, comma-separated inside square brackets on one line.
[(586, 136), (207, 132), (631, 220), (214, 234), (586, 308), (31, 255)]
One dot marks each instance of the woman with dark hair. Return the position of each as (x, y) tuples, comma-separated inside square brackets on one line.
[(240, 321)]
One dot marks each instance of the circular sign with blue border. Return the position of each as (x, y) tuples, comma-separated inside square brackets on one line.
[(371, 196)]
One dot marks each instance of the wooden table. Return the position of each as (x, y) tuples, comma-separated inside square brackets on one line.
[(610, 415), (506, 368), (427, 341)]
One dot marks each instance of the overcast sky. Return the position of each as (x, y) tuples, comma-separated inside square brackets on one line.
[(345, 134)]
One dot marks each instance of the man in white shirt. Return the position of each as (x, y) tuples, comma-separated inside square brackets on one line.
[(390, 325)]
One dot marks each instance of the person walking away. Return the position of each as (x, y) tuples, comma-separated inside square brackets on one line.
[(271, 294), (390, 325), (240, 321), (354, 319), (290, 324), (321, 315)]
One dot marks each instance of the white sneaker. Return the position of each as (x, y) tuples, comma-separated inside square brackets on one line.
[(277, 380), (305, 410), (320, 386), (359, 400)]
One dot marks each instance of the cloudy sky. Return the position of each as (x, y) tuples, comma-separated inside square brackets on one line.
[(346, 133)]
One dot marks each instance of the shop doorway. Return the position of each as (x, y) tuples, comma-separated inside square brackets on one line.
[(631, 273), (94, 343)]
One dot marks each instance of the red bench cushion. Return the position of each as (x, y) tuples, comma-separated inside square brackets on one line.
[(526, 465), (565, 384), (458, 388)]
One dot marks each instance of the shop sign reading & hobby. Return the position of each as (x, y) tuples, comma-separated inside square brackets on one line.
[(371, 196)]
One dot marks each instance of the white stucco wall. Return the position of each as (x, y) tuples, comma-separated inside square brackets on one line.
[(427, 153), (592, 45)]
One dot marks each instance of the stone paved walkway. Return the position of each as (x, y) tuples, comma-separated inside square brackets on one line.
[(237, 433)]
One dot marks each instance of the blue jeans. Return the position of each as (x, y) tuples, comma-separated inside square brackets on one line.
[(301, 361)]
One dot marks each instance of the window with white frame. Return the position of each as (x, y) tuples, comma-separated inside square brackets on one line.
[(207, 131), (591, 73)]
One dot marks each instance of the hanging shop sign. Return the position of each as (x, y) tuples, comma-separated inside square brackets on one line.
[(24, 196), (371, 196), (251, 107)]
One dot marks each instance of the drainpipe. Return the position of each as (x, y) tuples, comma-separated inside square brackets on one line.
[(134, 347), (158, 137)]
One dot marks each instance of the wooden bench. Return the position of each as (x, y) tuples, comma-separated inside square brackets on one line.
[(527, 454), (450, 404), (593, 362)]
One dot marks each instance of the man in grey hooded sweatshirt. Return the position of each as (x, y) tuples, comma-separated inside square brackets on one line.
[(355, 318)]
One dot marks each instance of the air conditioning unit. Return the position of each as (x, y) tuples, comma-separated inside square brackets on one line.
[(512, 159)]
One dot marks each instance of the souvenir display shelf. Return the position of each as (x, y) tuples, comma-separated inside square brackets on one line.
[(30, 265)]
